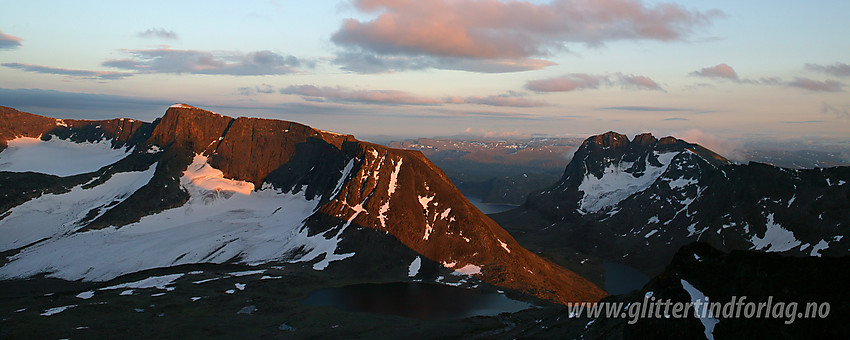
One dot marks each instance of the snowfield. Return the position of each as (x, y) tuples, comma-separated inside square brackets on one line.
[(58, 156), (55, 215), (221, 221), (616, 184)]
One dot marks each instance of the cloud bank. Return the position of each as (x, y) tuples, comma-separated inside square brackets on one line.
[(816, 85), (504, 30), (167, 60), (81, 74), (393, 97), (837, 69), (341, 94), (578, 81)]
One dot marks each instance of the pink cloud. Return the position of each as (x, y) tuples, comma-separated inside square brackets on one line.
[(392, 97), (493, 29), (569, 82), (638, 82), (577, 81), (816, 85), (341, 94), (510, 100), (8, 41), (719, 71)]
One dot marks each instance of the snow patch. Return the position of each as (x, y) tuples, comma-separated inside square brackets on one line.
[(345, 173), (776, 238), (382, 214), (56, 310), (469, 269), (504, 246), (681, 183), (709, 321), (85, 295), (202, 175), (616, 184), (413, 270), (159, 282), (58, 156), (650, 233), (247, 272), (818, 247)]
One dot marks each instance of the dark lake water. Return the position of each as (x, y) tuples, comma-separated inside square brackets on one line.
[(415, 300), (489, 208), (621, 279)]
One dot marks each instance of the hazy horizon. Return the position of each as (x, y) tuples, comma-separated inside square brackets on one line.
[(722, 70)]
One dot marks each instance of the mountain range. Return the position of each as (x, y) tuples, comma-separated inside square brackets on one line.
[(638, 201), (94, 200), (203, 202)]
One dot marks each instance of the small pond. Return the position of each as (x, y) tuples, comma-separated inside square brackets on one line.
[(621, 278), (489, 208)]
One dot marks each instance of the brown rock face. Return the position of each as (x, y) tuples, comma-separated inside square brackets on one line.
[(14, 123), (402, 193), (396, 191), (244, 148)]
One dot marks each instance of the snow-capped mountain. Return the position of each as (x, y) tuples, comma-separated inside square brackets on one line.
[(93, 200), (639, 200)]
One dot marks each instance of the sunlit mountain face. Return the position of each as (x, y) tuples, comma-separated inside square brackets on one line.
[(422, 169)]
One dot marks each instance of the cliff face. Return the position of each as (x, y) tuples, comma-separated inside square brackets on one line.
[(122, 132), (395, 191), (355, 185)]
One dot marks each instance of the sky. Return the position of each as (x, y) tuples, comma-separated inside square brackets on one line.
[(720, 69)]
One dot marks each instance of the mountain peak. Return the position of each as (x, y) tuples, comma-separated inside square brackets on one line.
[(608, 139), (182, 106), (644, 139)]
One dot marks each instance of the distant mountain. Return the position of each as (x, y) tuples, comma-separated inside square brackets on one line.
[(637, 201), (93, 200), (497, 171)]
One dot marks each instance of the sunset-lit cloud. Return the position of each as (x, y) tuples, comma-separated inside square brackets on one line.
[(816, 85), (837, 69), (578, 81), (721, 71), (510, 99), (341, 94), (392, 97), (167, 60), (492, 29), (82, 74), (8, 41), (726, 72), (371, 63)]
